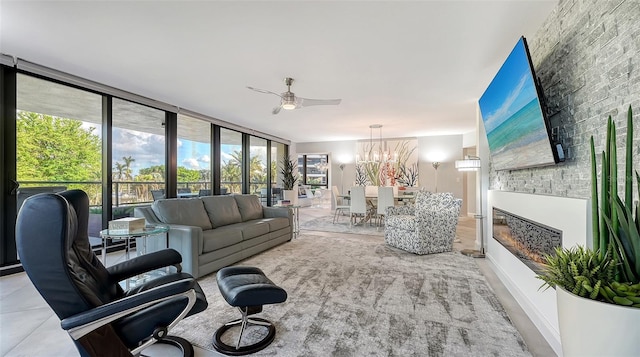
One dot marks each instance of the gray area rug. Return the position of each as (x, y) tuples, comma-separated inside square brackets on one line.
[(351, 295), (325, 224)]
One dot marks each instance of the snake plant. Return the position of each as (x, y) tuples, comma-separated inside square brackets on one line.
[(615, 221)]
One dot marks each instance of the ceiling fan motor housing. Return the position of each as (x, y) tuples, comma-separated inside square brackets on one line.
[(288, 100)]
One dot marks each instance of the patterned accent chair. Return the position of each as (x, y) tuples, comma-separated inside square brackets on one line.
[(427, 227)]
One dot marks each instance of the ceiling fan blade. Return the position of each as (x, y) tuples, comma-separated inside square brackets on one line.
[(263, 91), (276, 110), (306, 102)]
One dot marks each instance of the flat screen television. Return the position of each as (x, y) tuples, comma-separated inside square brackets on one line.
[(514, 120)]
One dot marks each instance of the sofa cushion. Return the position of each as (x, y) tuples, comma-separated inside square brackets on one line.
[(249, 206), (222, 210), (184, 211), (219, 238), (254, 228), (276, 223)]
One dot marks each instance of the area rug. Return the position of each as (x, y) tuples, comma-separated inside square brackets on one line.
[(325, 224), (351, 295)]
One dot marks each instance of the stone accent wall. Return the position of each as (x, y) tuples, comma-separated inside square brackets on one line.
[(587, 56)]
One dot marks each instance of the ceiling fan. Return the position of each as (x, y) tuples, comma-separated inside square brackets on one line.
[(289, 101)]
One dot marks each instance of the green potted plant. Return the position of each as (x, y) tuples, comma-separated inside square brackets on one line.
[(598, 289), (289, 179)]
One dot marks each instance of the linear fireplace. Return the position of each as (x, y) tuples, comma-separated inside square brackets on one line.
[(526, 239)]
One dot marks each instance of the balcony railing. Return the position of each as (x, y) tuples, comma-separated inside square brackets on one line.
[(125, 193)]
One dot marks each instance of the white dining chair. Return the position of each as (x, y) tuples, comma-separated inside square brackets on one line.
[(337, 203), (385, 199), (357, 204)]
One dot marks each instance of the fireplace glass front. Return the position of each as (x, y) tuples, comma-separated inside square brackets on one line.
[(524, 238)]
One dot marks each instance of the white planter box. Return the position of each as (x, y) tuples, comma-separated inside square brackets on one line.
[(290, 195), (594, 328)]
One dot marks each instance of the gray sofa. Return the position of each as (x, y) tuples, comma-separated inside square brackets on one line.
[(212, 232)]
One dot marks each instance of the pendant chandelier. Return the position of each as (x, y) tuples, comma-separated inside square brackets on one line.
[(378, 156)]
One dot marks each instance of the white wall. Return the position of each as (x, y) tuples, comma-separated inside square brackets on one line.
[(445, 149)]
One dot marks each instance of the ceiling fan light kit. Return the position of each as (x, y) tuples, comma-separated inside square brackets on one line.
[(289, 101)]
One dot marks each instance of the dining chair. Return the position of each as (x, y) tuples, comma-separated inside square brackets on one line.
[(357, 204), (157, 194), (337, 203), (385, 199)]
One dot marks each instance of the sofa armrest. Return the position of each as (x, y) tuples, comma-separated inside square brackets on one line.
[(272, 212), (187, 240)]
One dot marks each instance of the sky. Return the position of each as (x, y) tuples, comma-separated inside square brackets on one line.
[(148, 150), (511, 89)]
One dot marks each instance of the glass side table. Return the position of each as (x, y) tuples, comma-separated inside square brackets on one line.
[(148, 231), (295, 210)]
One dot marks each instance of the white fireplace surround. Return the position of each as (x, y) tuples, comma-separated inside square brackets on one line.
[(571, 216)]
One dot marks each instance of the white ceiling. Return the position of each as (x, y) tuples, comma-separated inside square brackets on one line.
[(416, 67)]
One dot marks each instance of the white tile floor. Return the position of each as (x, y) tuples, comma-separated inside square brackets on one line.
[(28, 327)]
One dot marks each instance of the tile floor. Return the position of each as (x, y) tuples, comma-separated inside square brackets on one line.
[(28, 327)]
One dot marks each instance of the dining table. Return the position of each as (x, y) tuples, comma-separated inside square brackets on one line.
[(397, 199)]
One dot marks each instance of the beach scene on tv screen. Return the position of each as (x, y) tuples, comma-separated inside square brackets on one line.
[(512, 116)]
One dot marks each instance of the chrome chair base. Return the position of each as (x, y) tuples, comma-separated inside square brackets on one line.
[(239, 350)]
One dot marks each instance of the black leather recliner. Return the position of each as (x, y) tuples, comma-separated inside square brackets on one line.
[(101, 317)]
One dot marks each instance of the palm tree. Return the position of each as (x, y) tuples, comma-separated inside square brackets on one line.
[(127, 167), (119, 171)]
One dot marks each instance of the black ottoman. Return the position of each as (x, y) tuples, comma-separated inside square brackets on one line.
[(247, 288)]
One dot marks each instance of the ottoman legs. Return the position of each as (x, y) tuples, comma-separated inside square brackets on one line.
[(248, 289), (244, 322)]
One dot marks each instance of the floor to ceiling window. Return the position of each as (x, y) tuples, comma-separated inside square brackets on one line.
[(124, 154), (230, 161), (59, 142), (258, 168), (194, 157), (138, 155), (278, 152)]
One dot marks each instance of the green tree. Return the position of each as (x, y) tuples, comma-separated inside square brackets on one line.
[(56, 149), (127, 167), (188, 175), (153, 170)]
